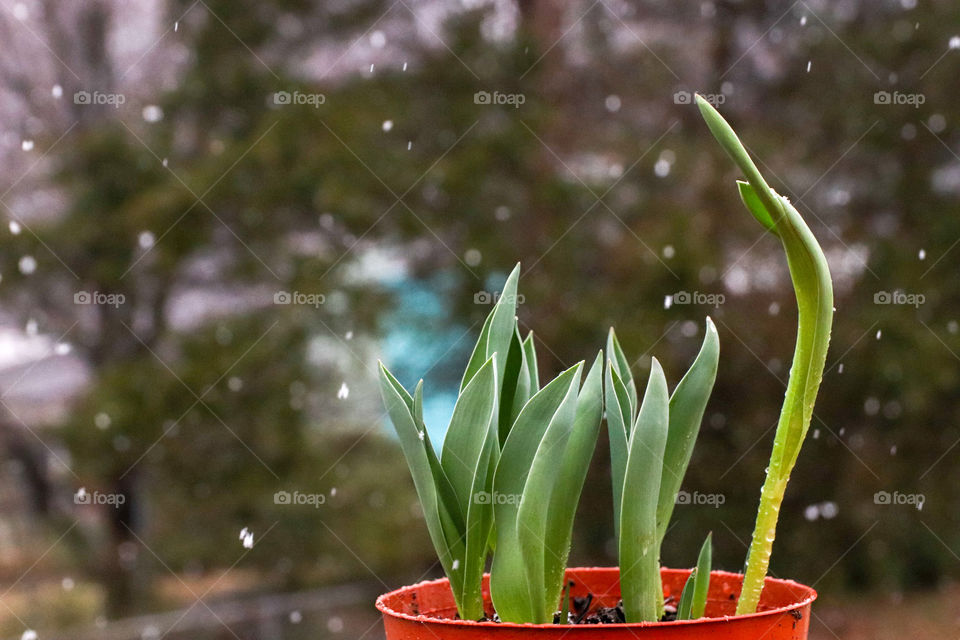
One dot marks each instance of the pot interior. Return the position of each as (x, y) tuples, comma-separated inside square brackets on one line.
[(435, 600)]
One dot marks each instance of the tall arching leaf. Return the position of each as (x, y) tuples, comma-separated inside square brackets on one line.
[(814, 291)]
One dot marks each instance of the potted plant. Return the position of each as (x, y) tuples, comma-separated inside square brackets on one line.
[(509, 476)]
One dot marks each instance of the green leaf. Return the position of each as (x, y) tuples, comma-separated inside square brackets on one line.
[(497, 331), (479, 355), (466, 436), (814, 291), (687, 404), (516, 385), (479, 529), (399, 405), (686, 597), (530, 358), (508, 585), (640, 585), (533, 516), (566, 492), (725, 135), (701, 586), (622, 367), (755, 206), (450, 511), (470, 442), (619, 422)]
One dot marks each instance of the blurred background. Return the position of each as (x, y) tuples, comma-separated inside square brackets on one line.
[(218, 215)]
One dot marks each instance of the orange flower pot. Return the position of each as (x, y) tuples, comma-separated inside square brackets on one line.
[(426, 611)]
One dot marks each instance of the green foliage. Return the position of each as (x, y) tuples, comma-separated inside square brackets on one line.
[(521, 486), (693, 599), (814, 292), (536, 490), (650, 451)]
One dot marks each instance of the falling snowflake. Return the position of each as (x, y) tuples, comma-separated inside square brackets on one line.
[(387, 125), (27, 145), (152, 113), (27, 265), (955, 42), (344, 391), (15, 227), (29, 634), (246, 537)]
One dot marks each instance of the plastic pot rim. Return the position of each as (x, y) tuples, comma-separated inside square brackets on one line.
[(728, 575)]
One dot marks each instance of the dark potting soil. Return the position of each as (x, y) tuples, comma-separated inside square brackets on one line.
[(580, 612)]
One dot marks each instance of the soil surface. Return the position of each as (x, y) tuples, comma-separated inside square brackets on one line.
[(582, 612)]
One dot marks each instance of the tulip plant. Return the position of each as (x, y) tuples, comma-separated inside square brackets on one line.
[(509, 476), (814, 291)]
